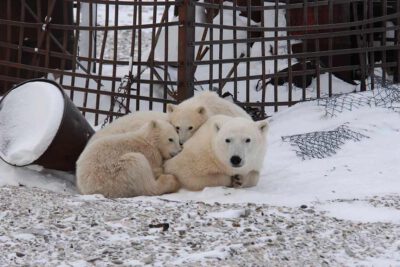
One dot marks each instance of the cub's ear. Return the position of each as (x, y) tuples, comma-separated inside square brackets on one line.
[(263, 126), (170, 108), (216, 127), (201, 110)]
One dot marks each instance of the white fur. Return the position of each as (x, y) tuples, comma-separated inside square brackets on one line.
[(127, 164), (206, 157), (129, 123), (189, 115)]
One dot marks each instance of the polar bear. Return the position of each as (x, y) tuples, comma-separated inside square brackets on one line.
[(225, 151), (189, 115), (129, 123), (129, 164)]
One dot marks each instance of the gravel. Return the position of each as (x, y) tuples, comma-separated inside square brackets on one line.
[(42, 228)]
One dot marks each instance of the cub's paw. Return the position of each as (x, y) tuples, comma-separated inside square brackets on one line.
[(236, 181)]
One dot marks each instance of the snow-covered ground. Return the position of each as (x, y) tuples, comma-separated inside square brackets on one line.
[(41, 228), (354, 195)]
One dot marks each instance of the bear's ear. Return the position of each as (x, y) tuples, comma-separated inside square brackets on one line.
[(201, 110), (216, 127), (263, 126), (170, 108)]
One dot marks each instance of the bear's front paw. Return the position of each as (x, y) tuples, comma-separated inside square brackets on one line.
[(237, 181)]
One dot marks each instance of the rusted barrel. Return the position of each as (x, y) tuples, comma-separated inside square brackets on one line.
[(40, 125)]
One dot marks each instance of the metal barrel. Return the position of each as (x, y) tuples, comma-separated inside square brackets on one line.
[(71, 138)]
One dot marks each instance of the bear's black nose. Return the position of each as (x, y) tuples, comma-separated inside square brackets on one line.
[(236, 160)]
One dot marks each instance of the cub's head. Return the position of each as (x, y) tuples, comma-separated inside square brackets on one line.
[(239, 143), (167, 139), (186, 120)]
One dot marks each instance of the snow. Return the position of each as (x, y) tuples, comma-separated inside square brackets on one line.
[(36, 177), (217, 253), (361, 212), (23, 236), (29, 118), (227, 214)]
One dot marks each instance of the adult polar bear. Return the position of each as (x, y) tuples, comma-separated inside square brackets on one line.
[(192, 113), (225, 151)]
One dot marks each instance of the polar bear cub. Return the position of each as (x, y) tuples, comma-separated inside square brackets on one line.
[(225, 151), (189, 115), (129, 164), (129, 123)]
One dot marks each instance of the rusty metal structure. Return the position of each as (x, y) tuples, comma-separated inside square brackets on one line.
[(115, 57)]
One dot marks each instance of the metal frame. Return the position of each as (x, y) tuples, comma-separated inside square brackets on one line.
[(317, 43)]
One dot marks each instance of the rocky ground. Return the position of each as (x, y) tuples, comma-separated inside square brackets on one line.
[(42, 228)]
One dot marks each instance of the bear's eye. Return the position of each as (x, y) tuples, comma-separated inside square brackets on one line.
[(177, 128), (171, 140), (248, 140), (190, 128), (227, 140)]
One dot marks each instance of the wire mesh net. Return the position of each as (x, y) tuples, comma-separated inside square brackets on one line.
[(384, 95), (387, 95), (322, 144)]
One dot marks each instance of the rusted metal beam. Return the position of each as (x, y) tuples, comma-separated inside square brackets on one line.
[(186, 50)]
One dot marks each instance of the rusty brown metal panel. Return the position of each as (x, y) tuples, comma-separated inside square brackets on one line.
[(397, 42), (7, 8), (186, 50), (334, 40), (328, 14), (24, 38)]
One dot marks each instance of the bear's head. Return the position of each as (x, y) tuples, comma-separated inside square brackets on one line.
[(165, 137), (239, 143), (186, 120)]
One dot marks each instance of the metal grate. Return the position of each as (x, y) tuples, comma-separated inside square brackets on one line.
[(113, 57)]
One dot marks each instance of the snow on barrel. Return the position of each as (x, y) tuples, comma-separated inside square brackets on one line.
[(30, 116)]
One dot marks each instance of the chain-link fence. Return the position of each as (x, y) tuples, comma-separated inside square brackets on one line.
[(384, 95), (322, 144)]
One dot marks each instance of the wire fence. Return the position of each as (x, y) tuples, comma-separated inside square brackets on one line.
[(115, 57), (322, 144)]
